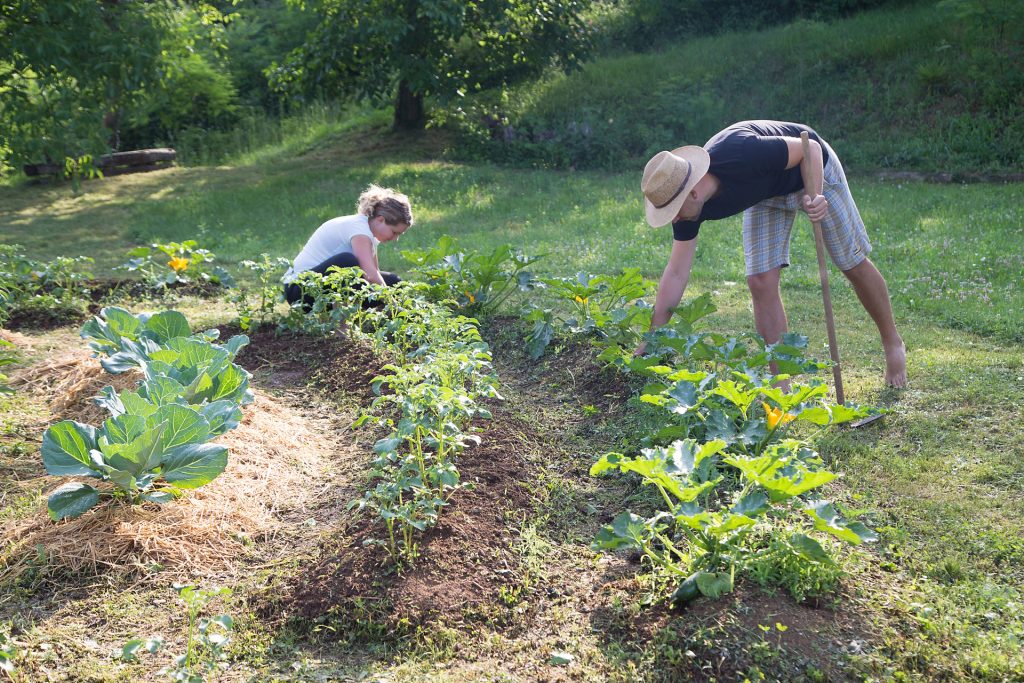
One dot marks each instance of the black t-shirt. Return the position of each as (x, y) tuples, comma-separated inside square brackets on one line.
[(749, 159)]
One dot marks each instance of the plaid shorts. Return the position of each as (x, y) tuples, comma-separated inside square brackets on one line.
[(768, 225)]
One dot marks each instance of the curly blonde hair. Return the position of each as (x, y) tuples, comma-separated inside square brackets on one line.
[(383, 201)]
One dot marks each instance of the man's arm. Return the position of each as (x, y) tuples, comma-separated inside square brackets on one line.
[(672, 285), (673, 281), (811, 167), (363, 250)]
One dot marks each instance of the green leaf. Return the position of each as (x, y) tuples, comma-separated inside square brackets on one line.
[(72, 500), (718, 425), (236, 344), (737, 395), (66, 449), (124, 428), (827, 518), (129, 652), (167, 325), (194, 465), (809, 549), (184, 425), (714, 584), (120, 322), (695, 309), (134, 458), (608, 461), (158, 391), (626, 531), (160, 497), (222, 415), (753, 504), (561, 658), (686, 396)]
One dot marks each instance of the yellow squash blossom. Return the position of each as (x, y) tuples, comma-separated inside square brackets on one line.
[(472, 299), (775, 415), (178, 264), (581, 300)]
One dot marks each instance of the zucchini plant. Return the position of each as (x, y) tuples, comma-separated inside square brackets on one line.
[(610, 308), (162, 265), (732, 473)]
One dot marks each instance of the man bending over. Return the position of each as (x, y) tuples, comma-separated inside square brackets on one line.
[(759, 168)]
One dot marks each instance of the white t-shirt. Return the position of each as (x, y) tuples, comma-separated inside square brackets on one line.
[(330, 239)]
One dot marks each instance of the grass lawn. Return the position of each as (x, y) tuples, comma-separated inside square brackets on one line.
[(941, 597)]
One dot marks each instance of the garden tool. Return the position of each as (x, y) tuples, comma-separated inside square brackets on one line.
[(819, 243)]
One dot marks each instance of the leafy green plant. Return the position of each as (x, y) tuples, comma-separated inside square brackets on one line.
[(255, 304), (206, 638), (8, 356), (165, 264), (733, 476), (54, 290), (332, 298), (8, 653), (426, 398), (154, 444), (129, 340), (611, 308), (149, 457), (480, 283)]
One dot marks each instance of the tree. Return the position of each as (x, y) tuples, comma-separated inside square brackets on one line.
[(411, 49), (70, 69)]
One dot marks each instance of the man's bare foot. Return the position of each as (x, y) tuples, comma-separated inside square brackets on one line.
[(896, 366)]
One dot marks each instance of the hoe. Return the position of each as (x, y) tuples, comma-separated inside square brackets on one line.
[(830, 323)]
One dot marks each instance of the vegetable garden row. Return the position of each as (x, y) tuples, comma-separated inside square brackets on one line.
[(736, 480)]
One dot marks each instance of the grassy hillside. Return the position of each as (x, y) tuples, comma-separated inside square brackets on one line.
[(930, 88)]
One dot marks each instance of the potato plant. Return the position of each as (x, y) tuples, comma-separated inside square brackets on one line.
[(44, 288), (426, 399), (479, 283)]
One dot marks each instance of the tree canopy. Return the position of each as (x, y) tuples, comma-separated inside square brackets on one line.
[(71, 70), (410, 49)]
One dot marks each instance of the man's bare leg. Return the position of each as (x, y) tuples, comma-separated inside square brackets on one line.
[(874, 296), (769, 313)]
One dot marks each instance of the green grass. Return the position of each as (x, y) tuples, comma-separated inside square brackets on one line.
[(906, 88)]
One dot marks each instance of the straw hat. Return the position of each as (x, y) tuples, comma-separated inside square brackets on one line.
[(668, 178)]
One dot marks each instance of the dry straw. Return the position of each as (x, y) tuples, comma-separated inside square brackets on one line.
[(273, 455)]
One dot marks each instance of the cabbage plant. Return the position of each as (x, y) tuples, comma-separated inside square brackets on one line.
[(146, 458)]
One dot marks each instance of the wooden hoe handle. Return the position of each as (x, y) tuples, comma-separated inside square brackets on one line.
[(819, 243)]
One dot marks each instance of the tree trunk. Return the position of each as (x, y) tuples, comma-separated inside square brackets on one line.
[(409, 111)]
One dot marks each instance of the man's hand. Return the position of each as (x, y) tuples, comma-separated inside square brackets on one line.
[(816, 208), (640, 350)]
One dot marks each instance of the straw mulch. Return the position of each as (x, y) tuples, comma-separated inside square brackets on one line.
[(273, 456)]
